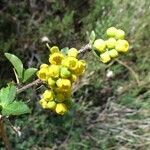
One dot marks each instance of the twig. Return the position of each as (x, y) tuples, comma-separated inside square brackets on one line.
[(131, 70), (3, 135), (36, 82), (12, 127), (85, 48)]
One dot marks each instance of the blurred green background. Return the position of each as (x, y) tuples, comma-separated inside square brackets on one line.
[(109, 113)]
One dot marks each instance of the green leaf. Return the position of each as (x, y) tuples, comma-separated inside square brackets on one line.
[(28, 73), (15, 108), (7, 95), (16, 62), (65, 50), (92, 37), (96, 53)]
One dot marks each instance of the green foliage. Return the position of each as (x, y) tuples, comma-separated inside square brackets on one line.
[(92, 37), (8, 103), (22, 74), (7, 95), (17, 64), (28, 73), (15, 108), (65, 50)]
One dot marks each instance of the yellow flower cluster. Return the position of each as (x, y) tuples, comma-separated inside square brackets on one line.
[(59, 77), (111, 47)]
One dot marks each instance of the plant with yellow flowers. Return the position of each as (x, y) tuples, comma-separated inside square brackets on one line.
[(64, 68), (59, 76), (110, 48)]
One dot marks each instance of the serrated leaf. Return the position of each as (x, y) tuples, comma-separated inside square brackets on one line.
[(16, 62), (65, 50), (28, 73), (7, 95), (92, 37), (15, 108)]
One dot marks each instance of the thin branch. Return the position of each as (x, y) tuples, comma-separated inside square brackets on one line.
[(85, 48), (3, 135), (36, 82)]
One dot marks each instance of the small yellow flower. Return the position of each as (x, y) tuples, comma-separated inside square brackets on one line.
[(73, 78), (48, 95), (99, 45), (61, 108), (73, 52), (54, 49), (42, 73), (120, 34), (111, 43), (56, 58), (63, 84), (43, 103), (43, 66), (51, 105), (65, 73), (111, 32), (53, 71), (104, 57), (61, 96), (81, 67), (113, 53), (122, 46), (70, 62), (51, 82)]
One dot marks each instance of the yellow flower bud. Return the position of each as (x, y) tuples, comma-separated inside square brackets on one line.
[(64, 72), (48, 95), (63, 84), (113, 53), (122, 46), (104, 57), (73, 78), (73, 52), (54, 49), (56, 58), (111, 32), (61, 96), (43, 103), (81, 67), (53, 71), (61, 108), (120, 34), (51, 105), (43, 66), (70, 62), (99, 45), (42, 73), (51, 82), (111, 43)]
